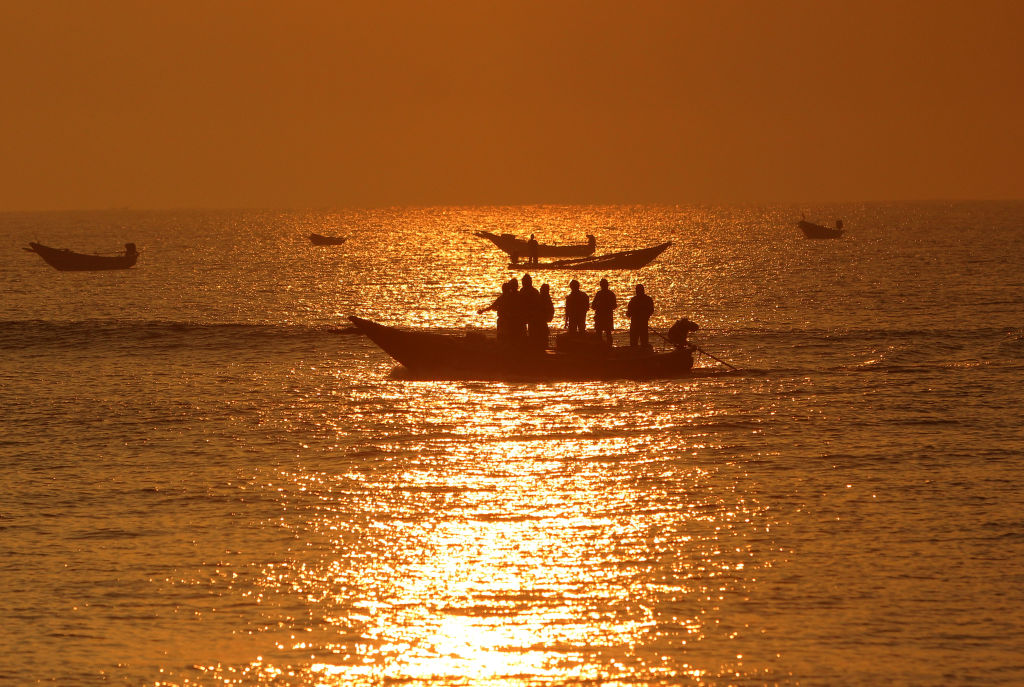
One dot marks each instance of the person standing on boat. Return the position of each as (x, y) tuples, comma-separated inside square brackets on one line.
[(533, 313), (518, 311), (505, 306), (533, 249), (547, 313), (639, 311), (577, 303), (604, 305)]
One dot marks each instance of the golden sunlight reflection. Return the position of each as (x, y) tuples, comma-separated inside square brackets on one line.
[(507, 533), (516, 533)]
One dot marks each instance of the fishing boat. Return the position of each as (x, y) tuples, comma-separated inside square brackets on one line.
[(817, 231), (430, 355), (623, 260), (67, 260), (321, 240), (520, 247)]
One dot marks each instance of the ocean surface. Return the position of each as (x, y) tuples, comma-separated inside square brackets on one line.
[(206, 478)]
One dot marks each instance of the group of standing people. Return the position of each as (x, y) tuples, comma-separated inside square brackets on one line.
[(524, 313)]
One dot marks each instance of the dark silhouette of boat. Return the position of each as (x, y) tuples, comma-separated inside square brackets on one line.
[(623, 260), (429, 355), (817, 231), (520, 247), (66, 260), (321, 240)]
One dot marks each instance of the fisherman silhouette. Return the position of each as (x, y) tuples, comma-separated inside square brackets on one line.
[(603, 305), (639, 311), (677, 333), (533, 311), (546, 314), (533, 249), (506, 307), (518, 311), (577, 303)]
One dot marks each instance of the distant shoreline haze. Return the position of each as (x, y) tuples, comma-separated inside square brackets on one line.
[(809, 205)]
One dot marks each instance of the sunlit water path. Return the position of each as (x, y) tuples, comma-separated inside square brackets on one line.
[(206, 478)]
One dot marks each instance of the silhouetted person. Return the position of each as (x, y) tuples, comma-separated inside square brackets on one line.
[(533, 249), (533, 311), (678, 331), (577, 303), (517, 312), (604, 305), (639, 311), (547, 313), (129, 249), (506, 307)]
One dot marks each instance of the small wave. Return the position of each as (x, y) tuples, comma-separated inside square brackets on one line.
[(107, 533), (21, 334), (881, 365), (819, 335)]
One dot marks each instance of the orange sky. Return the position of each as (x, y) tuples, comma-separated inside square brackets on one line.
[(250, 103)]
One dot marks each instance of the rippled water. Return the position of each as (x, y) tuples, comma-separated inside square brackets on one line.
[(207, 478)]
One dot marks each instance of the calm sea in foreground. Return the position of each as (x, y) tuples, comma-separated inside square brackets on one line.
[(206, 478)]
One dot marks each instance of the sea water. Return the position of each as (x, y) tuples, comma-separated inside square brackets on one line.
[(207, 478)]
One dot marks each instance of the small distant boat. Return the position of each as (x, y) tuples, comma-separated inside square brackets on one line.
[(428, 355), (817, 231), (623, 260), (66, 260), (520, 247), (321, 240)]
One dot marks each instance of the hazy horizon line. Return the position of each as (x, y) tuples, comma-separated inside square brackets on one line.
[(426, 206)]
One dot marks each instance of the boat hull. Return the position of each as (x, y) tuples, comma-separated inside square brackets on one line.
[(520, 248), (69, 261), (321, 240), (624, 260), (427, 355), (817, 231)]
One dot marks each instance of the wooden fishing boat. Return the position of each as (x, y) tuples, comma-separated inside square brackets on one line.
[(321, 240), (623, 260), (817, 231), (429, 355), (515, 247), (66, 260)]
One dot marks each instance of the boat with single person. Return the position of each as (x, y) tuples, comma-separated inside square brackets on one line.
[(475, 356), (623, 260), (516, 247), (70, 261), (321, 240), (818, 231)]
